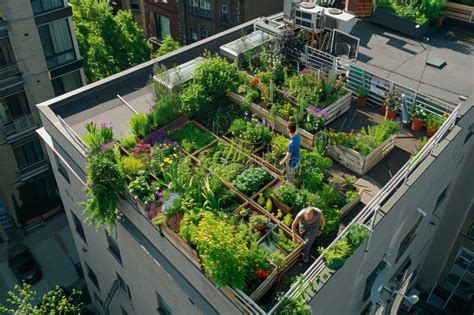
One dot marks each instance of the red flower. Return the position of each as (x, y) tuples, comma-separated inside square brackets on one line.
[(262, 274)]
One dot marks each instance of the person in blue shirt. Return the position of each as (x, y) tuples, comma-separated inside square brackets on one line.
[(292, 157)]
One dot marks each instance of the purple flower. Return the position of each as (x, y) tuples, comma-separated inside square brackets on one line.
[(105, 124), (106, 146), (158, 136), (168, 203)]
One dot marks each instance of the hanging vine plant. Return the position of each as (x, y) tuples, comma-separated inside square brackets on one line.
[(105, 177)]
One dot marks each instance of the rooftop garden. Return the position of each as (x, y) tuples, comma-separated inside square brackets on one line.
[(203, 166)]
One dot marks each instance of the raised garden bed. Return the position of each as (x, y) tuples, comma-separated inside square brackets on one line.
[(357, 162), (334, 111), (398, 23)]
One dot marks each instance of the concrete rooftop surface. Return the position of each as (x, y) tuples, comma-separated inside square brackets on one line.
[(394, 56)]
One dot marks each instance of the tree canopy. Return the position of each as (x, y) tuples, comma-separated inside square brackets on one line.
[(54, 302), (108, 43), (168, 45)]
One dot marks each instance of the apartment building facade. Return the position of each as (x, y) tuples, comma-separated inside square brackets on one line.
[(39, 59), (136, 269), (200, 19)]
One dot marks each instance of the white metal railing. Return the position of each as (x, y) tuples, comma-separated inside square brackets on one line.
[(371, 210), (320, 60), (18, 125), (77, 139)]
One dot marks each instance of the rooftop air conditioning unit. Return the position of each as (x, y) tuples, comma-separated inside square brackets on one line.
[(337, 19), (289, 7), (308, 16)]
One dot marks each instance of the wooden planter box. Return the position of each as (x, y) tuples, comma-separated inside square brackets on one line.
[(348, 207), (280, 205), (398, 23), (334, 110), (459, 11), (357, 163)]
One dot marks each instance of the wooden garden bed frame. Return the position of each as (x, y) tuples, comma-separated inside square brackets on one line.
[(247, 201), (356, 162), (334, 110)]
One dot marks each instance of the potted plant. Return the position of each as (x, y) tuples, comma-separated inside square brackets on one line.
[(418, 117), (433, 122), (335, 255), (392, 105), (362, 95)]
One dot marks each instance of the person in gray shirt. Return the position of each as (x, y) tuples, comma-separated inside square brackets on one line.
[(310, 222)]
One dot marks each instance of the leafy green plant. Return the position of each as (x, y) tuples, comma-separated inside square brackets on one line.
[(191, 138), (297, 304), (98, 136), (278, 259), (251, 180), (290, 48), (194, 99), (258, 222), (419, 113), (167, 45), (393, 101), (362, 92), (166, 109), (434, 121), (251, 132), (337, 251), (356, 235), (141, 189), (142, 124), (128, 142), (105, 184), (131, 166)]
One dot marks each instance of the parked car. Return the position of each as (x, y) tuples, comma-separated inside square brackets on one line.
[(23, 264)]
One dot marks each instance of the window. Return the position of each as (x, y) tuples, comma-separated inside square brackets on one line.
[(28, 154), (205, 8), (113, 247), (224, 13), (408, 238), (67, 82), (78, 227), (124, 286), (193, 7), (57, 43), (62, 168), (204, 33), (400, 276), (42, 6), (470, 233), (13, 106), (194, 35), (441, 198), (381, 267), (6, 53), (163, 308), (135, 4), (162, 25), (92, 277)]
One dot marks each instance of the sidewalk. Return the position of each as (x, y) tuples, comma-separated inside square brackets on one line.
[(53, 247)]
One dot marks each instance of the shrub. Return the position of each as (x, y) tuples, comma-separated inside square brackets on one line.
[(194, 99), (258, 222), (291, 48), (434, 121), (131, 166), (167, 45), (216, 76), (141, 189), (166, 109)]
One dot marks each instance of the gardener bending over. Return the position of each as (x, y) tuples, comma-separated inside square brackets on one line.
[(310, 222), (292, 157)]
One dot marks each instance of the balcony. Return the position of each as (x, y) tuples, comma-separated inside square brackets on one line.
[(4, 26), (10, 77), (18, 127), (31, 170)]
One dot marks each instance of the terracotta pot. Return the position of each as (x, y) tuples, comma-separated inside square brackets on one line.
[(382, 107), (361, 101), (280, 205), (416, 124), (389, 115), (431, 130)]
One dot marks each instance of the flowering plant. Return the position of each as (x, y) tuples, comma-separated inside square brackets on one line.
[(393, 101), (98, 137)]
